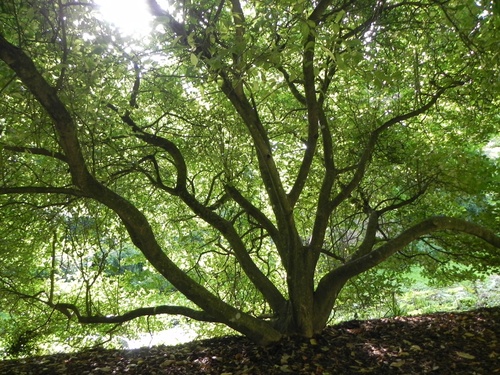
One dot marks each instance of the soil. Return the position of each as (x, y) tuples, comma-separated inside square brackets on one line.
[(441, 343)]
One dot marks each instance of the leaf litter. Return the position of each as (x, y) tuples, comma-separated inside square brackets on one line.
[(440, 343)]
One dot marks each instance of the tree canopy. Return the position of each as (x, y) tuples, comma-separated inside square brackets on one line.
[(244, 163)]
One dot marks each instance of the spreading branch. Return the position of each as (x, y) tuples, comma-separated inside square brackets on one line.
[(71, 310), (333, 281), (36, 151), (42, 190)]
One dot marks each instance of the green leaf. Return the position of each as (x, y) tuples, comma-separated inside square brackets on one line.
[(339, 16), (194, 59)]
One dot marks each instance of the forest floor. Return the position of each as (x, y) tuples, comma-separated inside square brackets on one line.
[(440, 343)]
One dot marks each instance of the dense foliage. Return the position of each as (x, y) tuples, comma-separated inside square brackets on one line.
[(247, 163)]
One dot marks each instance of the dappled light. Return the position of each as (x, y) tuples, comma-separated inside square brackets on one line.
[(446, 344)]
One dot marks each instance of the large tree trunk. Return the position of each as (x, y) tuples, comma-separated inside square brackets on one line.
[(300, 281)]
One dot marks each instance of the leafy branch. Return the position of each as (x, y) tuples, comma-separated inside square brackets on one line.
[(333, 281), (70, 310)]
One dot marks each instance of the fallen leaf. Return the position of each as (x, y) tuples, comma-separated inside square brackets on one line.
[(284, 359), (355, 331), (167, 363), (285, 368), (103, 369), (397, 364), (465, 355)]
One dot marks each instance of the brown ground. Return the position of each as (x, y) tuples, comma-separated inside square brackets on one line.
[(443, 343)]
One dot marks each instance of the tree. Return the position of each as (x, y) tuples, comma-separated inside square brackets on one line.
[(258, 154)]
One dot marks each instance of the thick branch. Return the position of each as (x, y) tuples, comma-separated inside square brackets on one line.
[(239, 32), (71, 310), (320, 10), (263, 284), (135, 88), (293, 89), (253, 211), (312, 110), (269, 172), (322, 209), (163, 143), (36, 151), (329, 284), (233, 89), (178, 28), (370, 236), (317, 116)]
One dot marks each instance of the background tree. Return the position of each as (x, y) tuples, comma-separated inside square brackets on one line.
[(251, 156)]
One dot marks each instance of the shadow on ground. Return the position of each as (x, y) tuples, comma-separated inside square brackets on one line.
[(441, 343)]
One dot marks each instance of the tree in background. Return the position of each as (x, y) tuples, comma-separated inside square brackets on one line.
[(253, 157)]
